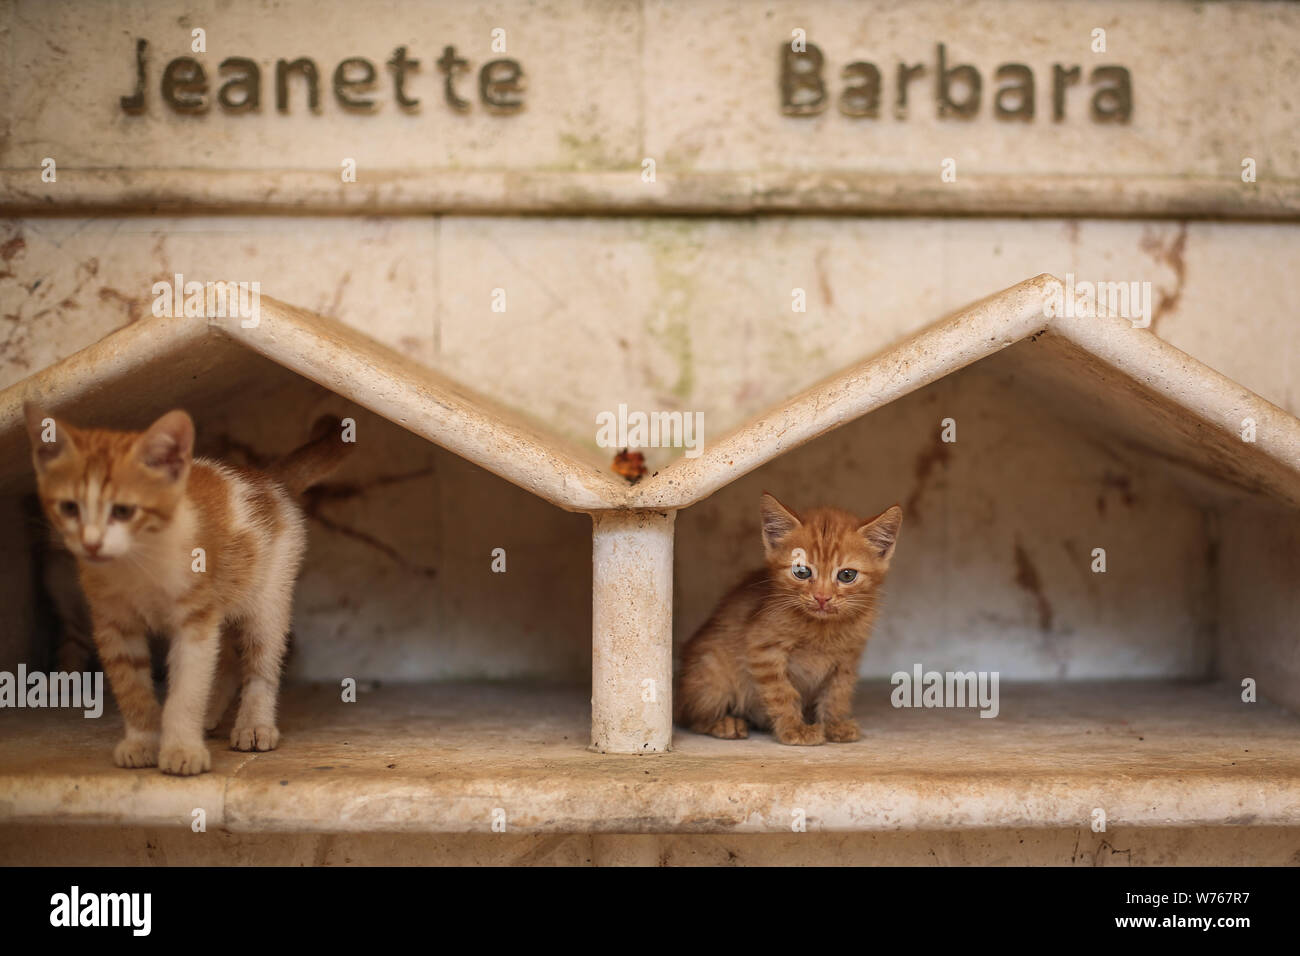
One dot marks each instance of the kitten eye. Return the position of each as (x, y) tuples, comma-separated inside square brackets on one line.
[(847, 576), (801, 571), (122, 512), (69, 509)]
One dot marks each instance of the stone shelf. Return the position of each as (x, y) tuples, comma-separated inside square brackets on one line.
[(440, 758), (1123, 380)]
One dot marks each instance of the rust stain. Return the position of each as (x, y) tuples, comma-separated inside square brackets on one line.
[(1027, 579), (822, 281), (339, 491), (314, 499), (160, 254), (134, 307), (371, 541), (333, 308), (748, 392), (936, 454), (1119, 483), (12, 247), (1171, 255)]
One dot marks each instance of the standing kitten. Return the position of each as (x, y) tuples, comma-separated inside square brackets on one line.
[(781, 649), (134, 508)]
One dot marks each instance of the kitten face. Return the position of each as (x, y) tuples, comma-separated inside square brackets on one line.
[(106, 493), (828, 564)]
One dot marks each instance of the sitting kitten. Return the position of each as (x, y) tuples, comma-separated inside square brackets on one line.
[(135, 508), (781, 649)]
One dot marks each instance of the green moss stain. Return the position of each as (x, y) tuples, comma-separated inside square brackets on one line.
[(673, 335), (674, 246), (579, 152)]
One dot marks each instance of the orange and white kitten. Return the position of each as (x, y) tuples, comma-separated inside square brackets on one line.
[(781, 649), (135, 508)]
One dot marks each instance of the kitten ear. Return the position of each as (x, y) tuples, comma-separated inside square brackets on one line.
[(49, 438), (882, 532), (167, 444), (778, 521)]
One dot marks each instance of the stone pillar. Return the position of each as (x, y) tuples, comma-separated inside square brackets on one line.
[(632, 631)]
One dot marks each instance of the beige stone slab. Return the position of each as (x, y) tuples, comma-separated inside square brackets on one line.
[(675, 314), (696, 315), (71, 845), (1242, 103), (97, 192), (443, 758), (65, 283), (692, 85), (71, 63)]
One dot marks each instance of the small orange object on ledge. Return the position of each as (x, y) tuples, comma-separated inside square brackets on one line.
[(629, 464)]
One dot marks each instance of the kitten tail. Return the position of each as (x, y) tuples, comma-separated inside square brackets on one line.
[(316, 460)]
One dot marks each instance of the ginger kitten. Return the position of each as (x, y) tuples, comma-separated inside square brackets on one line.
[(134, 508), (781, 649)]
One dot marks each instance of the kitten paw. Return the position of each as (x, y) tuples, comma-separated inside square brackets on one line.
[(800, 735), (730, 728), (137, 751), (184, 759), (843, 731), (260, 737)]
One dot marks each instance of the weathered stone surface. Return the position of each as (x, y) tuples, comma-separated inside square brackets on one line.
[(443, 758), (658, 313), (694, 86), (71, 64), (65, 845)]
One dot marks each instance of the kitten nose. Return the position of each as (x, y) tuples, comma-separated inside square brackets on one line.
[(92, 546), (822, 600)]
